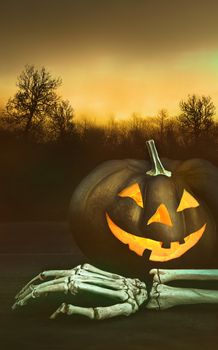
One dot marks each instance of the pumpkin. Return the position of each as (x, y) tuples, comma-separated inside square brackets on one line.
[(129, 215)]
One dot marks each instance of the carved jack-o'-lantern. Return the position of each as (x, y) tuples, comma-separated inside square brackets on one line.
[(158, 252), (127, 216)]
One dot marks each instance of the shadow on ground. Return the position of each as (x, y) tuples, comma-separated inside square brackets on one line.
[(28, 248)]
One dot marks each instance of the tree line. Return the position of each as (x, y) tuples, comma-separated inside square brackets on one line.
[(45, 150), (36, 113)]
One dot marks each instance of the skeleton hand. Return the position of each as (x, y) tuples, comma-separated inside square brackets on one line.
[(130, 292)]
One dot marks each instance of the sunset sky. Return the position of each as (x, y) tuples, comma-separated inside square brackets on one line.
[(114, 56)]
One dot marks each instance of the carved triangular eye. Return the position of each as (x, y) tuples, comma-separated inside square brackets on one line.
[(133, 192), (187, 201), (161, 215)]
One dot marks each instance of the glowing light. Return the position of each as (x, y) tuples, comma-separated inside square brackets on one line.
[(133, 192), (187, 201), (139, 244), (161, 215)]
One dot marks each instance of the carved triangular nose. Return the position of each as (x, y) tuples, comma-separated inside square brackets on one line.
[(161, 215)]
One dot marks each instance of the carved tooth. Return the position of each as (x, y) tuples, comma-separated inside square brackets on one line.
[(166, 245), (174, 245)]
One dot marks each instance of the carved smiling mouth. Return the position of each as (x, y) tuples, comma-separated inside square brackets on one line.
[(158, 253)]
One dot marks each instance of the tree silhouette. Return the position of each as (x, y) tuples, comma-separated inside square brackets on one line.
[(33, 100), (161, 122), (60, 120), (197, 115)]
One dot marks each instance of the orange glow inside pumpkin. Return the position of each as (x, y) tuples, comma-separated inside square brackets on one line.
[(139, 244), (187, 201), (161, 215), (133, 192)]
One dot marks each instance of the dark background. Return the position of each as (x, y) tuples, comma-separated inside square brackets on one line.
[(37, 178), (38, 175), (37, 181), (49, 245)]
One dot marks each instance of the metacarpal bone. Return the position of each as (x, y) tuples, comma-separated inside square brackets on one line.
[(94, 269), (130, 292), (90, 280)]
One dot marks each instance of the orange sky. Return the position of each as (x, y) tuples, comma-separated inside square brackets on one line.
[(114, 58)]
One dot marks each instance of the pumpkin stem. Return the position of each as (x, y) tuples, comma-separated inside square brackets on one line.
[(157, 166)]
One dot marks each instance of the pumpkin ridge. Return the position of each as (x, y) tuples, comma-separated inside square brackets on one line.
[(127, 167), (92, 189)]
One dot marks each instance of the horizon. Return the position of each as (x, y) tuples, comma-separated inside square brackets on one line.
[(114, 59)]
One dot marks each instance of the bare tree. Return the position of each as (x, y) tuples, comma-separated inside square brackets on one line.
[(61, 120), (197, 115), (34, 98), (161, 122)]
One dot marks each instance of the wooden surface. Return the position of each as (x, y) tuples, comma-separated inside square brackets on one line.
[(28, 248)]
